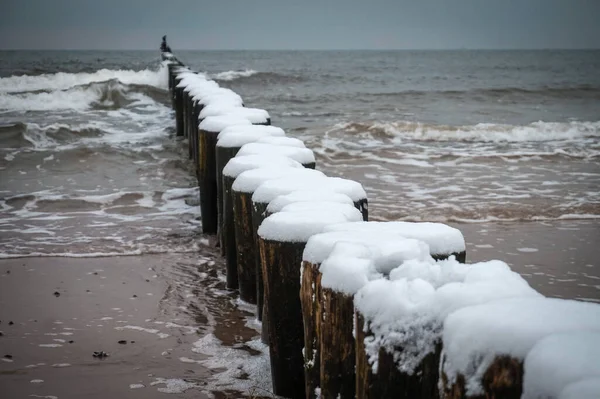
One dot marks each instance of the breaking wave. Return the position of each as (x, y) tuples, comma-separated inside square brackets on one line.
[(581, 91), (64, 80), (232, 75), (104, 95), (481, 132), (251, 76)]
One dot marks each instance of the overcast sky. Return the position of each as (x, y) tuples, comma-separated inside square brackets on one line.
[(299, 24)]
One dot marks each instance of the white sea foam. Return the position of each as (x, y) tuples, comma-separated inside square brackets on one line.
[(482, 132), (232, 75), (63, 80)]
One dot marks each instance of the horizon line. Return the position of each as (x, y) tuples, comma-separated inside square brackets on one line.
[(313, 49)]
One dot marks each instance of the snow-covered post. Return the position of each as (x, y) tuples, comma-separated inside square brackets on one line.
[(400, 322), (335, 266), (486, 355), (282, 237), (272, 190), (228, 150), (298, 153), (231, 171), (208, 131), (242, 191), (229, 142)]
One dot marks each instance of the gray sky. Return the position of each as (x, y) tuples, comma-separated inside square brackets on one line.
[(299, 24)]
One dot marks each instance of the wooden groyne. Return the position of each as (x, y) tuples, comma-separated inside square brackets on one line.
[(359, 309)]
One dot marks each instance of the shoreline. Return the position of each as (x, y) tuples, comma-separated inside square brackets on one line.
[(193, 337)]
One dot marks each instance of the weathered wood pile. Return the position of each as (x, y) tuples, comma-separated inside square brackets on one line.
[(352, 308)]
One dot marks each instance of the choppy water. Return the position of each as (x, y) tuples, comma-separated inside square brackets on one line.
[(89, 164)]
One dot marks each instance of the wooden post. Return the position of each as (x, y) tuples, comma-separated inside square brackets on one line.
[(207, 168), (389, 381), (228, 231), (502, 379), (208, 182), (282, 238), (238, 219), (245, 244), (282, 284), (336, 345), (310, 299), (230, 141), (178, 109), (223, 155), (195, 136)]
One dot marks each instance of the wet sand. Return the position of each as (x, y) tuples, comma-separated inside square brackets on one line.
[(183, 327), (149, 303)]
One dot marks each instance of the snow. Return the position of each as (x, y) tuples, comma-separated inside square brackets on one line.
[(585, 389), (442, 239), (268, 131), (201, 88), (408, 310), (348, 268), (560, 360), (273, 189), (254, 115), (300, 225), (302, 155), (220, 95), (473, 336), (307, 196), (387, 251), (217, 123), (238, 137), (240, 164), (286, 141), (250, 180)]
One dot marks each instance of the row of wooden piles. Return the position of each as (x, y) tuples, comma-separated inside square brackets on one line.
[(325, 280)]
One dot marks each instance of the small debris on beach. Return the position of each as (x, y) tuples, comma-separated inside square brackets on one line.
[(10, 323), (100, 355), (122, 342), (56, 294), (71, 341), (8, 356), (134, 296)]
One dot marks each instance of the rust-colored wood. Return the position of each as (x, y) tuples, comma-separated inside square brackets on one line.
[(336, 346), (389, 381), (245, 244), (310, 300), (503, 379), (281, 265)]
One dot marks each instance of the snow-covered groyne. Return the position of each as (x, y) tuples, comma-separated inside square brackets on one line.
[(352, 308)]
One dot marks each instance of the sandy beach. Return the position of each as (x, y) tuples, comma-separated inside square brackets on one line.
[(169, 326), (160, 318)]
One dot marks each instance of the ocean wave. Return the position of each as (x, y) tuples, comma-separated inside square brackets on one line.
[(232, 75), (581, 91), (251, 76), (482, 132), (62, 80), (105, 95)]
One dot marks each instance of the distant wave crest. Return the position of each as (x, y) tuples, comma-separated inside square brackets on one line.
[(482, 132)]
